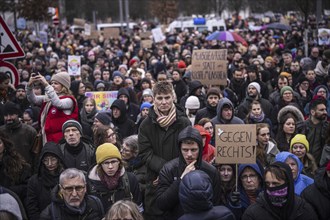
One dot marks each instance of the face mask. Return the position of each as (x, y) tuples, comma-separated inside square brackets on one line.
[(278, 195)]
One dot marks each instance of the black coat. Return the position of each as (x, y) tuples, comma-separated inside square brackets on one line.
[(169, 178), (262, 210), (40, 185), (180, 88), (244, 107), (318, 194), (207, 112), (93, 211)]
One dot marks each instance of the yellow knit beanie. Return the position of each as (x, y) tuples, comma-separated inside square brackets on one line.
[(106, 151), (300, 138)]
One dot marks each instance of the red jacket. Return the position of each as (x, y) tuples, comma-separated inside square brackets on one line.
[(208, 154), (55, 118)]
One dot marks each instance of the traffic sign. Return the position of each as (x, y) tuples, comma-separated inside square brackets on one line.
[(9, 47), (11, 71)]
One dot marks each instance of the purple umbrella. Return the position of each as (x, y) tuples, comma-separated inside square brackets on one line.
[(226, 36)]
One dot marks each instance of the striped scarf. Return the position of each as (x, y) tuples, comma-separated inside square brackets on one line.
[(165, 121)]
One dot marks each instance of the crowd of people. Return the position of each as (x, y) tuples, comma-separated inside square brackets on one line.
[(152, 154)]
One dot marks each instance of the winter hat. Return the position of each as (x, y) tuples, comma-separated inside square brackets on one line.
[(192, 102), (100, 85), (72, 123), (182, 64), (286, 88), (286, 74), (9, 204), (104, 118), (145, 105), (133, 60), (117, 73), (326, 54), (299, 138), (213, 91), (106, 151), (147, 92), (328, 166), (269, 59), (11, 108), (253, 47), (255, 85), (63, 78), (20, 86), (122, 66)]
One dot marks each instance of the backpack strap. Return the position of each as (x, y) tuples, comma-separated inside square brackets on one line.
[(127, 188), (55, 212), (97, 201)]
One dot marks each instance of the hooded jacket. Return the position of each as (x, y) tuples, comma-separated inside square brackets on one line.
[(294, 209), (244, 199), (318, 194), (219, 120), (125, 125), (208, 154), (132, 110), (301, 181), (41, 184), (170, 177), (307, 109), (195, 194), (206, 112)]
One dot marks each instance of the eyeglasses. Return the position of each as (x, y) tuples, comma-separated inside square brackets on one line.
[(112, 135), (252, 177), (112, 162), (69, 189)]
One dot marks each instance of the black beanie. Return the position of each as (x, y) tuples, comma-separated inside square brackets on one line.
[(11, 108), (104, 118)]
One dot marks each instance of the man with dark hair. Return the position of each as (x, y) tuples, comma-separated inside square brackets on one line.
[(22, 135), (190, 158), (316, 127), (210, 111), (158, 144), (237, 84)]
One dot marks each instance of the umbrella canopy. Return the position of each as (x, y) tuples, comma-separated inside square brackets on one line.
[(279, 26), (226, 36)]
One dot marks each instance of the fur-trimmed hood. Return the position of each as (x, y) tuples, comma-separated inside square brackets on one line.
[(290, 109)]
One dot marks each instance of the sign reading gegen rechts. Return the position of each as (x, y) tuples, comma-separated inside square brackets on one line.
[(235, 144), (209, 66)]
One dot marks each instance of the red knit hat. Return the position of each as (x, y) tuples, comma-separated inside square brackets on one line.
[(132, 61), (182, 64), (328, 166)]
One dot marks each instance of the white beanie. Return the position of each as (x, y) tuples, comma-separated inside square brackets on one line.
[(255, 85), (192, 102)]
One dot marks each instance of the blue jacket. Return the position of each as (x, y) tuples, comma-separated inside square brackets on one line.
[(301, 181)]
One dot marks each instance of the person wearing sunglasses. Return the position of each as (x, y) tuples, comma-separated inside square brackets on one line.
[(70, 200)]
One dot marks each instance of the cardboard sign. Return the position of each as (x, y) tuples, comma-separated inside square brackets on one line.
[(74, 65), (111, 32), (88, 29), (145, 35), (94, 35), (146, 43), (103, 100), (79, 22), (236, 144), (209, 67)]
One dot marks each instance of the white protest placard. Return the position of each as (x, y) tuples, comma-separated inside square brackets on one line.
[(74, 65), (323, 36), (235, 144), (88, 29), (158, 35), (209, 66)]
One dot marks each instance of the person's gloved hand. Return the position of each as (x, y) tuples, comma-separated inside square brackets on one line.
[(235, 198)]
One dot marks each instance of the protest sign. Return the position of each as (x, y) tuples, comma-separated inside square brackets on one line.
[(103, 100), (324, 36), (158, 35), (88, 29), (79, 22), (209, 67), (74, 65), (145, 35), (111, 32), (146, 43), (235, 144)]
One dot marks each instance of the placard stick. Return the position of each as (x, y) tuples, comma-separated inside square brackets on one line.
[(236, 175)]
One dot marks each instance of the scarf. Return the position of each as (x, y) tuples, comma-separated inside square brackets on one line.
[(111, 182), (252, 195), (165, 121), (43, 116), (257, 119), (278, 196), (76, 210)]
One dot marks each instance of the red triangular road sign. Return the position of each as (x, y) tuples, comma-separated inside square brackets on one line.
[(9, 47)]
